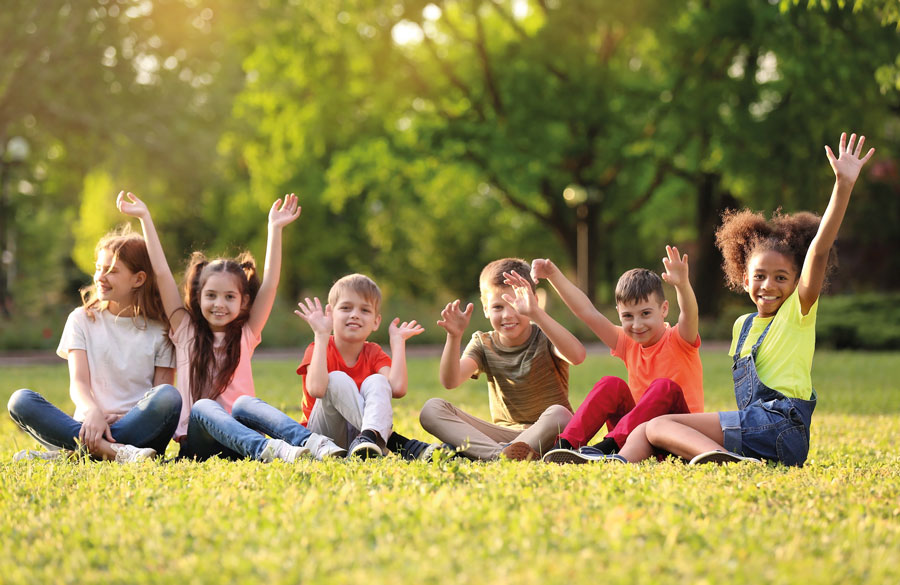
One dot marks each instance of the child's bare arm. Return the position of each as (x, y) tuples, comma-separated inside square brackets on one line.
[(847, 166), (565, 344), (321, 322), (265, 297), (576, 300), (129, 204), (676, 274), (455, 370), (398, 334)]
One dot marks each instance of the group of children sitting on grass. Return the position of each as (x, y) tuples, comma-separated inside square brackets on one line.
[(122, 365)]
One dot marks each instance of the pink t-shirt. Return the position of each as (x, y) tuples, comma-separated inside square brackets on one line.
[(241, 383), (671, 357)]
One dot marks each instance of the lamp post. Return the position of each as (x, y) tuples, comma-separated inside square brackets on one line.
[(13, 155)]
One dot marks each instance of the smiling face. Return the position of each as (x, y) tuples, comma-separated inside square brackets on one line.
[(115, 282), (221, 300), (514, 329), (644, 321), (355, 317), (770, 279)]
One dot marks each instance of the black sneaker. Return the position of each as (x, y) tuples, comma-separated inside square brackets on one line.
[(364, 448), (583, 455), (416, 450)]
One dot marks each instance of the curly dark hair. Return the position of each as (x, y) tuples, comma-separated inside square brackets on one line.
[(744, 233)]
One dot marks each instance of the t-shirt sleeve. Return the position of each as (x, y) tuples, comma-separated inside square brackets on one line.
[(307, 359), (377, 358), (621, 348), (164, 353), (683, 343), (475, 352), (736, 332), (73, 335)]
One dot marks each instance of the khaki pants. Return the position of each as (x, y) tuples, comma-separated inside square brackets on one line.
[(480, 439)]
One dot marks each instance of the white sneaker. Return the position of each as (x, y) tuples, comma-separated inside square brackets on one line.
[(322, 447), (30, 454), (278, 449), (132, 454), (720, 457)]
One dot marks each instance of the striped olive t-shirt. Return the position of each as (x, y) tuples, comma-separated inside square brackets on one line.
[(523, 381)]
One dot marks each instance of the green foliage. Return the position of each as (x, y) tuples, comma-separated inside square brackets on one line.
[(462, 522), (861, 321)]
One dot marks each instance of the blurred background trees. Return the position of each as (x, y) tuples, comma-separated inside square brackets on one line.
[(427, 138)]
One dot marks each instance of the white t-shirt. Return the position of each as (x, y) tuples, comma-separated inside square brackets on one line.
[(122, 354)]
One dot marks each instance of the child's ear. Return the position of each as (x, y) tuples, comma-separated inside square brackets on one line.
[(746, 282), (664, 307), (245, 301), (377, 321), (140, 277)]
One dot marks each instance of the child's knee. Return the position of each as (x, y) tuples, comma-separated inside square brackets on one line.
[(557, 415), (607, 383), (243, 403), (376, 383), (431, 412), (19, 401), (665, 386), (166, 398)]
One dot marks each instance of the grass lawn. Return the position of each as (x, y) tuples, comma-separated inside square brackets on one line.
[(837, 520)]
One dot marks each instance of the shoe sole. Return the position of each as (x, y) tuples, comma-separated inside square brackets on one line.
[(563, 456), (520, 452), (719, 458), (365, 451)]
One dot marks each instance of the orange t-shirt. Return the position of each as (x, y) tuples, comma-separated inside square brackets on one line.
[(671, 357), (371, 359)]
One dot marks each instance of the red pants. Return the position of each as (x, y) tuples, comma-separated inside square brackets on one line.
[(611, 403)]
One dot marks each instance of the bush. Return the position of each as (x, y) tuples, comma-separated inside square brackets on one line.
[(860, 321)]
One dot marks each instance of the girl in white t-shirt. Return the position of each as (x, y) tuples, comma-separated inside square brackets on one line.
[(120, 365), (215, 332)]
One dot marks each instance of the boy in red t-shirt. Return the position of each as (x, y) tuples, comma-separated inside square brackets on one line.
[(664, 369), (348, 382)]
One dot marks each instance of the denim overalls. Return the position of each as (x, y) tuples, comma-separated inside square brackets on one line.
[(767, 425)]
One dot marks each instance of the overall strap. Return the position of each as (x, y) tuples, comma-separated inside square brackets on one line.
[(745, 330)]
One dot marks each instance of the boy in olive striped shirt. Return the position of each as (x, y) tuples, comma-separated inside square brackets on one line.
[(526, 361)]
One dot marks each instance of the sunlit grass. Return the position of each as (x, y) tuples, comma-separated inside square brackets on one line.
[(837, 520)]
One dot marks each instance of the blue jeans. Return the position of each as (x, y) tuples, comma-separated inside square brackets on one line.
[(212, 431), (150, 423), (265, 418)]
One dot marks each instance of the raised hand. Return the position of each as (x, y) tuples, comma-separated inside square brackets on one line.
[(320, 320), (523, 299), (404, 330), (676, 267), (129, 204), (455, 320), (848, 163), (542, 268), (288, 212)]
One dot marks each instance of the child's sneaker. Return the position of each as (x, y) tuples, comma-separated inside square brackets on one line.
[(563, 455), (278, 449), (520, 451), (29, 455), (323, 447), (364, 448), (615, 458), (132, 454), (720, 457)]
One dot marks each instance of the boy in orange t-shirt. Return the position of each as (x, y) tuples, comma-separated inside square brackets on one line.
[(664, 370)]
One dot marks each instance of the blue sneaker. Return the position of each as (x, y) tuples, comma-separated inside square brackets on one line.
[(364, 448)]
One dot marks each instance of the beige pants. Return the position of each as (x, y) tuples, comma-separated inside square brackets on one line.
[(480, 439)]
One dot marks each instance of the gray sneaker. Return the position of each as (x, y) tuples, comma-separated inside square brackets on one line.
[(323, 447), (278, 449), (364, 448), (720, 457), (132, 454), (31, 455)]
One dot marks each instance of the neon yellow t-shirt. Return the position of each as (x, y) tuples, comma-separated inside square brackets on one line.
[(784, 360)]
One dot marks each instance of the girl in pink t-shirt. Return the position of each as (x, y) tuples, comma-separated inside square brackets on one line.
[(215, 332)]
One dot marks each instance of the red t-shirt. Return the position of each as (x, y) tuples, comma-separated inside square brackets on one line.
[(371, 359), (671, 357)]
